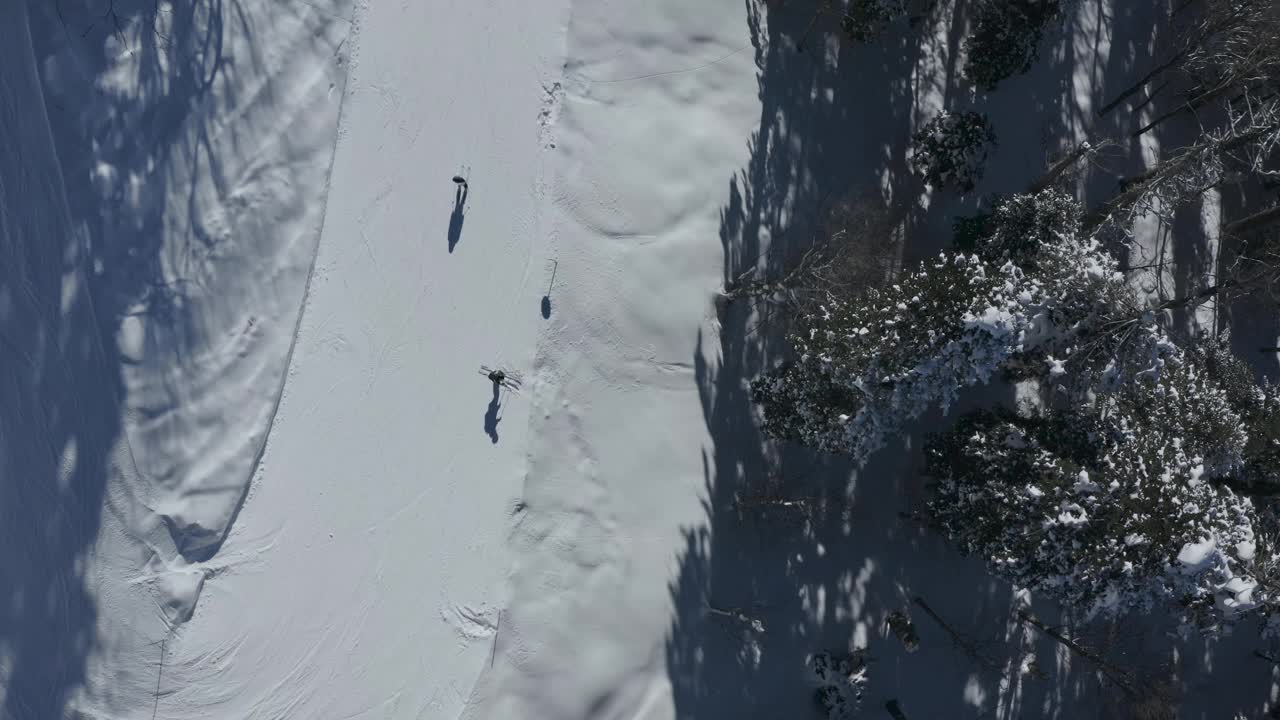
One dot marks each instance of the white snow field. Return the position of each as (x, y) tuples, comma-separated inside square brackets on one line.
[(249, 468)]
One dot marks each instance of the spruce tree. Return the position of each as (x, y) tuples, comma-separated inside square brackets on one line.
[(1018, 224), (1006, 39), (951, 150), (1125, 503), (864, 20), (863, 366)]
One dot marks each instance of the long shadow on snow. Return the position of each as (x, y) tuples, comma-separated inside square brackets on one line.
[(58, 414), (68, 285), (491, 416), (457, 216), (829, 581), (152, 130)]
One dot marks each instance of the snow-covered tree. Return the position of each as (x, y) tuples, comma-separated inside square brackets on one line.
[(1006, 38), (864, 20), (863, 366), (1249, 262), (1244, 144), (840, 681), (1257, 403), (1017, 225), (1121, 504), (951, 150)]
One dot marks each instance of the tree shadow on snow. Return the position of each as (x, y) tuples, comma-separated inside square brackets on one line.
[(68, 284), (825, 573)]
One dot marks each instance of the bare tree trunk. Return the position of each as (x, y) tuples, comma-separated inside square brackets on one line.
[(1151, 96), (1191, 105), (1253, 222), (1133, 89), (1058, 168), (1144, 182), (1131, 193), (823, 6), (1197, 298), (1116, 674), (969, 646)]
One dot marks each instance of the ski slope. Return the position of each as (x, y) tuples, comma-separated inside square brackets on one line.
[(414, 545), (366, 570)]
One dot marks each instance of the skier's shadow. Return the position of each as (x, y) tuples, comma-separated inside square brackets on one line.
[(491, 417), (456, 217)]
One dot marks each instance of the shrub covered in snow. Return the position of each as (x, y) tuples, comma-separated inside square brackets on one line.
[(864, 366), (1017, 225), (1118, 505), (950, 151), (864, 20), (1006, 38), (840, 682), (1257, 404)]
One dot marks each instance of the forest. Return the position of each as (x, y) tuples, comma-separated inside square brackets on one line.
[(1137, 469)]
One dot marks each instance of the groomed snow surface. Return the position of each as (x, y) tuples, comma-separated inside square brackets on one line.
[(249, 468)]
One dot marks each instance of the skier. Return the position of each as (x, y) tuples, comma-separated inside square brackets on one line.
[(508, 380), (460, 181)]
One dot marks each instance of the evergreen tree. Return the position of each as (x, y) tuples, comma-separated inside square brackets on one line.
[(863, 366), (1125, 503), (1006, 38), (840, 680), (951, 150), (1026, 297), (864, 20), (1258, 406), (1016, 225)]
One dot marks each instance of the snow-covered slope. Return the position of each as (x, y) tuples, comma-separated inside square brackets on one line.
[(193, 145), (658, 100), (198, 143), (365, 572)]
